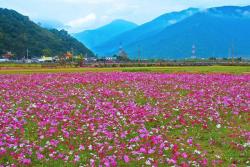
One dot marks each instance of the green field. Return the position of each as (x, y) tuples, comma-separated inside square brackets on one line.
[(192, 69)]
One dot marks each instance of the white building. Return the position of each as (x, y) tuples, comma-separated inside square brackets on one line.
[(45, 59)]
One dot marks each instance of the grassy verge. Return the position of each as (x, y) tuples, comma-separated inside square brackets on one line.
[(192, 69)]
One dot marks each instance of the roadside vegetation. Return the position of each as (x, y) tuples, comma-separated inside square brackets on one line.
[(35, 68)]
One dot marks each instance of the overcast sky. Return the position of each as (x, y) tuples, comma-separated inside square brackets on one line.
[(88, 14)]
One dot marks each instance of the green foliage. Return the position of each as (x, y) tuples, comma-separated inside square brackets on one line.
[(31, 131), (123, 58), (17, 33), (47, 52)]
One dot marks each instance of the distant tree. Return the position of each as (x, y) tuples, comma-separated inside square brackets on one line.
[(239, 59), (47, 52), (212, 58), (79, 59), (62, 59), (68, 55), (1, 35), (123, 57)]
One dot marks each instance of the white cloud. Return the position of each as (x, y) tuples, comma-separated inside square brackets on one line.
[(172, 21), (83, 21), (104, 18), (96, 2)]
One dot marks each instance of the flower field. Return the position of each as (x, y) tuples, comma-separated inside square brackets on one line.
[(113, 119)]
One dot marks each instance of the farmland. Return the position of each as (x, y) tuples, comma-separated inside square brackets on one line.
[(135, 118)]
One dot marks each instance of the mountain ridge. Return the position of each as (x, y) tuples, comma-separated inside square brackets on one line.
[(204, 29), (94, 37), (152, 27), (212, 34)]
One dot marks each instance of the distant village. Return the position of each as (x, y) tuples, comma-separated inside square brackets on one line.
[(122, 56)]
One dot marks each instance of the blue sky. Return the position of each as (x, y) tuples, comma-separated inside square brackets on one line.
[(79, 15)]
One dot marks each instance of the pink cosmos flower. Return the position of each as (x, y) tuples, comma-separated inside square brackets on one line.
[(184, 155), (39, 156), (143, 150), (2, 151), (77, 158), (101, 112), (26, 161), (54, 142), (126, 158), (190, 141), (150, 151), (171, 161), (204, 162), (92, 162), (81, 147)]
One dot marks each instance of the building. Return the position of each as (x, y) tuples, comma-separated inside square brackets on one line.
[(4, 60), (122, 55), (45, 59), (8, 55)]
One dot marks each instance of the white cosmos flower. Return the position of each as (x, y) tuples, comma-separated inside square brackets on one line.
[(218, 126), (148, 162), (246, 144), (197, 152)]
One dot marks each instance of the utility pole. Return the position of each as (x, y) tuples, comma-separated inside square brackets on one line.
[(193, 51), (72, 52), (27, 53), (232, 53), (139, 53)]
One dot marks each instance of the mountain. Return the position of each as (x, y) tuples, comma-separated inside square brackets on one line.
[(213, 31), (17, 33), (98, 36), (144, 31)]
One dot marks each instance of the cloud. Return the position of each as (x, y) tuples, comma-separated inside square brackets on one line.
[(172, 21), (104, 18), (246, 13), (95, 2), (83, 21)]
